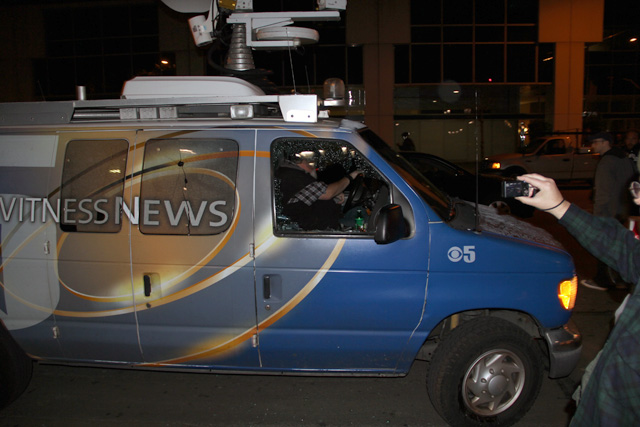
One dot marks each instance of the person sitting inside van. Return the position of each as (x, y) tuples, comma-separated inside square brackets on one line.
[(311, 203)]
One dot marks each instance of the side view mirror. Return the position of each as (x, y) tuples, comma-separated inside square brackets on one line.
[(390, 225)]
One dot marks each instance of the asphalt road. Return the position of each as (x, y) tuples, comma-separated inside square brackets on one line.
[(66, 396)]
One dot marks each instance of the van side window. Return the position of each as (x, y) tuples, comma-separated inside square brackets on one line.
[(188, 186), (303, 171), (92, 184)]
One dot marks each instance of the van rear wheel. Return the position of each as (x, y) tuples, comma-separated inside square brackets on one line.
[(485, 371), (15, 369)]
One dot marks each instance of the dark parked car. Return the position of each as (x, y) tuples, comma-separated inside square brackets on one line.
[(458, 182)]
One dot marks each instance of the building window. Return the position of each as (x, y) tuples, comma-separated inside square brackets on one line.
[(489, 63), (99, 47), (471, 41), (425, 64), (521, 61)]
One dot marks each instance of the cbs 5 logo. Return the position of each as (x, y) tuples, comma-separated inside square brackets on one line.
[(466, 254)]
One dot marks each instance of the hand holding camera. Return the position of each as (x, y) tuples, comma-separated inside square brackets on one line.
[(542, 193)]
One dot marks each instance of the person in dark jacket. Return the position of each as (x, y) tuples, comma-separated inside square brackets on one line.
[(407, 143), (614, 173), (610, 396)]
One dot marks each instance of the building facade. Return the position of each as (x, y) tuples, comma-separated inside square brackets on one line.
[(465, 78)]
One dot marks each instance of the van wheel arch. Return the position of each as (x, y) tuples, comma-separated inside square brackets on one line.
[(520, 319), (16, 368)]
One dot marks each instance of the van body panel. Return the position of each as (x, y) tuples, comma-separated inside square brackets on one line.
[(308, 320), (93, 314), (62, 259), (202, 311), (186, 265), (512, 270)]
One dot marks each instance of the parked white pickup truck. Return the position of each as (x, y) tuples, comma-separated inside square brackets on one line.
[(558, 157)]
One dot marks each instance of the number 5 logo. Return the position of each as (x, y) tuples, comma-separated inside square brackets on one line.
[(467, 253)]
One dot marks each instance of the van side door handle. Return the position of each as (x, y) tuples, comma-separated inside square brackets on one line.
[(266, 286), (147, 285)]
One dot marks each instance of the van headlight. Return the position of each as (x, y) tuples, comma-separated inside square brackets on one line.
[(567, 293)]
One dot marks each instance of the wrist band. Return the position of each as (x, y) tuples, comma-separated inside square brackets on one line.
[(550, 209), (349, 178)]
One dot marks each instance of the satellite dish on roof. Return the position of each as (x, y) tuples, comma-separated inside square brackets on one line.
[(296, 36), (250, 30), (188, 6)]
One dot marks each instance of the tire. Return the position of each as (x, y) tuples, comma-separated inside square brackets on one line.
[(15, 369), (463, 370)]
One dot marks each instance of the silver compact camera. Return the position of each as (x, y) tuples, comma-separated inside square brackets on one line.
[(515, 189)]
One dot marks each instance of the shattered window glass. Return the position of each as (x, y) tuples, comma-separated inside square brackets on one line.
[(331, 161), (330, 156)]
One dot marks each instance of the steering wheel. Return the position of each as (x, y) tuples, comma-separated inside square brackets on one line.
[(356, 190)]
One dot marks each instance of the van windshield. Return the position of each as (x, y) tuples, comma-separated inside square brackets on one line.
[(436, 198)]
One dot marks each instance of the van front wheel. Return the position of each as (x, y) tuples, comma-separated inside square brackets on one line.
[(485, 371)]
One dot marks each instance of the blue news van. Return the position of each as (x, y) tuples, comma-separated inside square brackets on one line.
[(157, 231)]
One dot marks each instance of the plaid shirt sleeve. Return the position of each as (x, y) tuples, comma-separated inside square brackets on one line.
[(309, 194), (607, 240), (612, 394)]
